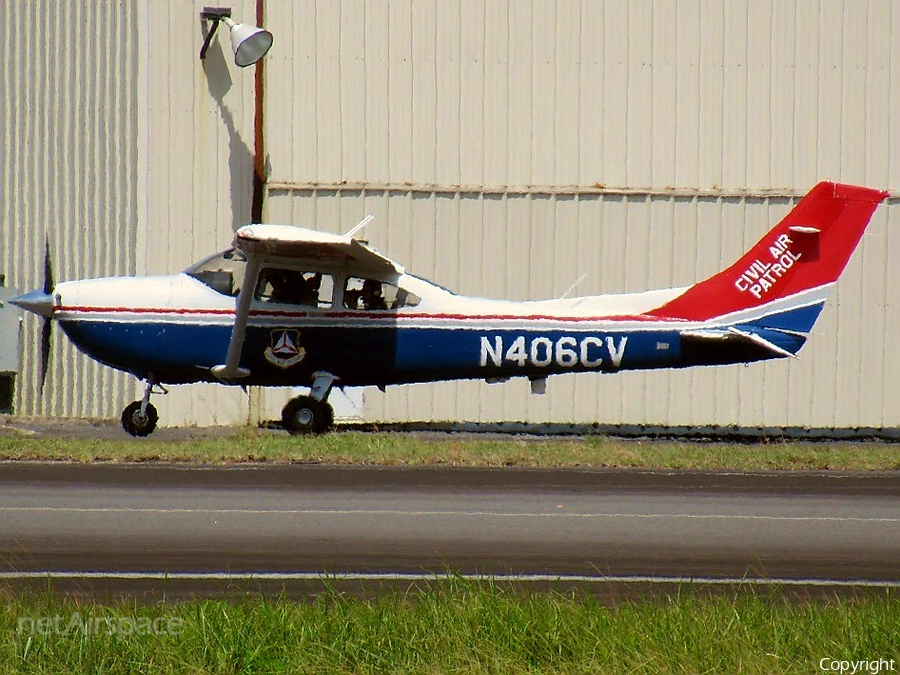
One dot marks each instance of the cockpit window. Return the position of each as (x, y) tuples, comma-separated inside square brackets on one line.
[(222, 272), (295, 287), (371, 294)]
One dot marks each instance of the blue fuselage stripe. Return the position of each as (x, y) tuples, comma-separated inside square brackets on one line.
[(366, 351), (184, 352)]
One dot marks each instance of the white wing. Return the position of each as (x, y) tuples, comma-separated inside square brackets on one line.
[(286, 241)]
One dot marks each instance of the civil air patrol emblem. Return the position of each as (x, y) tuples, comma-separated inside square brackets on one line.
[(285, 350)]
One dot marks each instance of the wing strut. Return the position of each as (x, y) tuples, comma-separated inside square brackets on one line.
[(231, 369)]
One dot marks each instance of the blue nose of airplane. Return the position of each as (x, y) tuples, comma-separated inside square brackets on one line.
[(36, 301)]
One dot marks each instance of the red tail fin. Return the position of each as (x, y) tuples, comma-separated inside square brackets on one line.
[(808, 249)]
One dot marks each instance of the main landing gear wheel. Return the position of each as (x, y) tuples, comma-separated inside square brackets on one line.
[(306, 415), (139, 423)]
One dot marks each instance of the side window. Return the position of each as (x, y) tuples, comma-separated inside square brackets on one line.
[(406, 298), (371, 294), (295, 287)]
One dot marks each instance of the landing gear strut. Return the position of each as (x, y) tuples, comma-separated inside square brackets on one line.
[(311, 414), (140, 417)]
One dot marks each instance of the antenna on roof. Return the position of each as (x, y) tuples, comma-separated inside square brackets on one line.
[(572, 287), (360, 225)]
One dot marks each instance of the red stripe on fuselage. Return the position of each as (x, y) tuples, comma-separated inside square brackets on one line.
[(140, 310), (360, 315)]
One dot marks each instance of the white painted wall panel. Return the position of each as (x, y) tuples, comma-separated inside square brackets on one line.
[(471, 92), (424, 28), (495, 147), (399, 80), (332, 116), (663, 101), (295, 58), (645, 94), (566, 147), (353, 28), (877, 68), (593, 98), (783, 93), (521, 95)]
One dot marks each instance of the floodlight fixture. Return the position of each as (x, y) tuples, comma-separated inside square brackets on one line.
[(249, 43)]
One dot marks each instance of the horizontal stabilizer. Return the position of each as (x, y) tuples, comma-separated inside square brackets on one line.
[(762, 342), (734, 336)]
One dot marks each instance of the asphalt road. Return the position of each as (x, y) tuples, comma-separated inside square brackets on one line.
[(150, 519)]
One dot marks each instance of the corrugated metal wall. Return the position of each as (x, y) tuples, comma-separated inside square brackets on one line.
[(639, 94), (482, 136), (506, 148), (130, 156), (68, 175)]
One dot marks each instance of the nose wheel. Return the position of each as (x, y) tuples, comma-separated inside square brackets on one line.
[(137, 422), (140, 417)]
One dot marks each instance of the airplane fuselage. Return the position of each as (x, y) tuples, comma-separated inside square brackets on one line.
[(176, 329)]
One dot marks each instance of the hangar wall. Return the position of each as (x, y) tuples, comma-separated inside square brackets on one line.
[(508, 147), (505, 147), (128, 155)]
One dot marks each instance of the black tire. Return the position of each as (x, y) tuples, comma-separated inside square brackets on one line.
[(135, 423), (305, 415)]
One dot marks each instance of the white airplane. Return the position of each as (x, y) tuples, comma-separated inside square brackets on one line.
[(289, 306)]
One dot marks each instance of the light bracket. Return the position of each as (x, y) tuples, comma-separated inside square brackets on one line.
[(214, 14)]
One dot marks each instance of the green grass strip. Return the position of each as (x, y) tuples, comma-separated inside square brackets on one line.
[(407, 449), (448, 627)]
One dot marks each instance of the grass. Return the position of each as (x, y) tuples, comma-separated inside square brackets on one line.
[(454, 626), (395, 449)]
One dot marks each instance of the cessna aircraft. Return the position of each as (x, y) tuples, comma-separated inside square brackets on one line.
[(289, 306)]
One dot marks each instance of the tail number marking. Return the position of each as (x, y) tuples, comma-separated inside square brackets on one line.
[(567, 351)]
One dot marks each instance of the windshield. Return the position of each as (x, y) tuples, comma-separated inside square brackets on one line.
[(431, 283), (222, 272)]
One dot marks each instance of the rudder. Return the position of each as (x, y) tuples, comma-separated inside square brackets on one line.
[(804, 253)]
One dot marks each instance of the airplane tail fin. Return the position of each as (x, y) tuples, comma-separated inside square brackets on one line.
[(779, 286)]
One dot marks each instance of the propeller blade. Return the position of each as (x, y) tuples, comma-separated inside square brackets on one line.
[(47, 322), (48, 268), (46, 344)]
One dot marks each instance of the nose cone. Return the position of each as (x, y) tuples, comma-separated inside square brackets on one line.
[(36, 301)]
